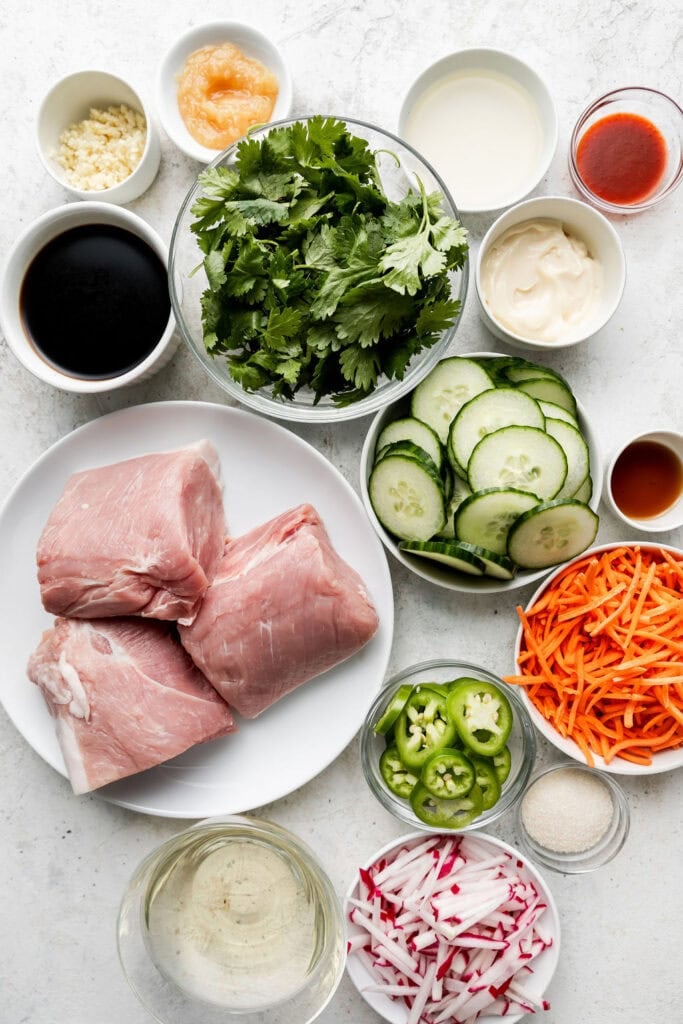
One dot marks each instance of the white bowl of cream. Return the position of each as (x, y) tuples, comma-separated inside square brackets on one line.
[(486, 122), (550, 273)]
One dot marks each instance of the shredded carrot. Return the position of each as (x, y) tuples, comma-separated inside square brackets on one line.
[(601, 656)]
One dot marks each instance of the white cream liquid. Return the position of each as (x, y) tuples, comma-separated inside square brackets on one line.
[(236, 928), (483, 134)]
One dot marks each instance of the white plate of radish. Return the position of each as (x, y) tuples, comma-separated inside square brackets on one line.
[(445, 928)]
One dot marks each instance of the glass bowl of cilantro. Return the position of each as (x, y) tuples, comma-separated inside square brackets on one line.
[(318, 269)]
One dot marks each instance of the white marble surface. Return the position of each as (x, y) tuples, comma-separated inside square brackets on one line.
[(65, 860)]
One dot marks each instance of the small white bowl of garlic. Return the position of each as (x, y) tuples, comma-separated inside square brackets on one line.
[(550, 274), (96, 138)]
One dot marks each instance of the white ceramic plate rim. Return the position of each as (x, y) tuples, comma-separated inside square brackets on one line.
[(396, 1012), (443, 577), (666, 760), (303, 733)]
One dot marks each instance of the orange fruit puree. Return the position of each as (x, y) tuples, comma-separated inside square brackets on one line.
[(222, 92)]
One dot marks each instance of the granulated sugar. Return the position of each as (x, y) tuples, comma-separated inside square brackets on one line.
[(567, 811)]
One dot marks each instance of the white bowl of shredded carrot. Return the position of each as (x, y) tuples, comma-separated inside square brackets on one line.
[(599, 657)]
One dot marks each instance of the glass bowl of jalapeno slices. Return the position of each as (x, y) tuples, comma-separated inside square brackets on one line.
[(447, 745)]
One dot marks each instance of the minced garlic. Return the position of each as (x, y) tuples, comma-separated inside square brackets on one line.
[(104, 149)]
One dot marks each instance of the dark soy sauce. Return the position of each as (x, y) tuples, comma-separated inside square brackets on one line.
[(95, 302)]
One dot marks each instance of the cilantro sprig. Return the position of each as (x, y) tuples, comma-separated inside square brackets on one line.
[(315, 278)]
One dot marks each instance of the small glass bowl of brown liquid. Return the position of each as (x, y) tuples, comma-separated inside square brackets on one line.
[(644, 482)]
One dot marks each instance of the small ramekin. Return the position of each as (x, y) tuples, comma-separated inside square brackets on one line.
[(602, 851), (660, 110), (672, 517), (250, 41), (603, 243), (27, 246), (68, 102)]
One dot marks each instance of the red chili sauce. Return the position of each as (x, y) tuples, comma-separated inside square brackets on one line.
[(621, 158)]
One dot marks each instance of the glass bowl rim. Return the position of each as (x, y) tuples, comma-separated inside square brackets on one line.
[(604, 100), (578, 863), (509, 797), (377, 399), (239, 825)]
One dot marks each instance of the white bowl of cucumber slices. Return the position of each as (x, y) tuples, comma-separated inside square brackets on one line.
[(485, 477)]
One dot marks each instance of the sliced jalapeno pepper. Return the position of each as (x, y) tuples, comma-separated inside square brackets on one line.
[(482, 716), (487, 781), (447, 774), (423, 727), (502, 762), (397, 777), (455, 813), (437, 687), (393, 710)]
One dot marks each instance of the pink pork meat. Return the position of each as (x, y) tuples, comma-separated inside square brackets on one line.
[(283, 608), (125, 697), (140, 537)]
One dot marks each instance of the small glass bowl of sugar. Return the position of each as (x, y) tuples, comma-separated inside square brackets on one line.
[(572, 818)]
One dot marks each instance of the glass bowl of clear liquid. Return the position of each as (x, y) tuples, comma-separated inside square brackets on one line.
[(234, 917)]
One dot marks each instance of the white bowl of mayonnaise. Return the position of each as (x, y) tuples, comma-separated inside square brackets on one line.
[(550, 273)]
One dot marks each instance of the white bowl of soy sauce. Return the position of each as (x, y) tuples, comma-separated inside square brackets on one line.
[(84, 301)]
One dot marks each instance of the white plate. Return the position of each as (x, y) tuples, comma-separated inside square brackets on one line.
[(266, 470)]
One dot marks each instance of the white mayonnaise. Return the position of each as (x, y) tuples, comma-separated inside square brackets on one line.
[(540, 282), (235, 926), (482, 131)]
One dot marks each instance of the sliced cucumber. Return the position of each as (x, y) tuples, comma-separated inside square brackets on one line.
[(485, 518), (441, 394), (576, 450), (521, 369), (500, 566), (553, 532), (551, 410), (454, 555), (524, 458), (460, 491), (407, 498), (585, 491), (489, 411), (410, 451), (410, 429), (550, 389)]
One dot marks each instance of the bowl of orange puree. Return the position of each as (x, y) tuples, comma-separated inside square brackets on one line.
[(216, 82)]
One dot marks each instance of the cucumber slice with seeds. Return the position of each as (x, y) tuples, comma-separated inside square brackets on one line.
[(553, 532), (489, 411), (524, 458), (576, 450), (445, 390), (461, 490), (485, 518), (407, 497), (410, 429), (454, 555)]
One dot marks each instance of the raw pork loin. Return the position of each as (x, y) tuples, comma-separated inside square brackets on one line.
[(283, 608), (140, 537), (125, 697)]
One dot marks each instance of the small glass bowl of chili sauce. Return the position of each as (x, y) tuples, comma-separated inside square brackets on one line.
[(644, 482), (626, 150)]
